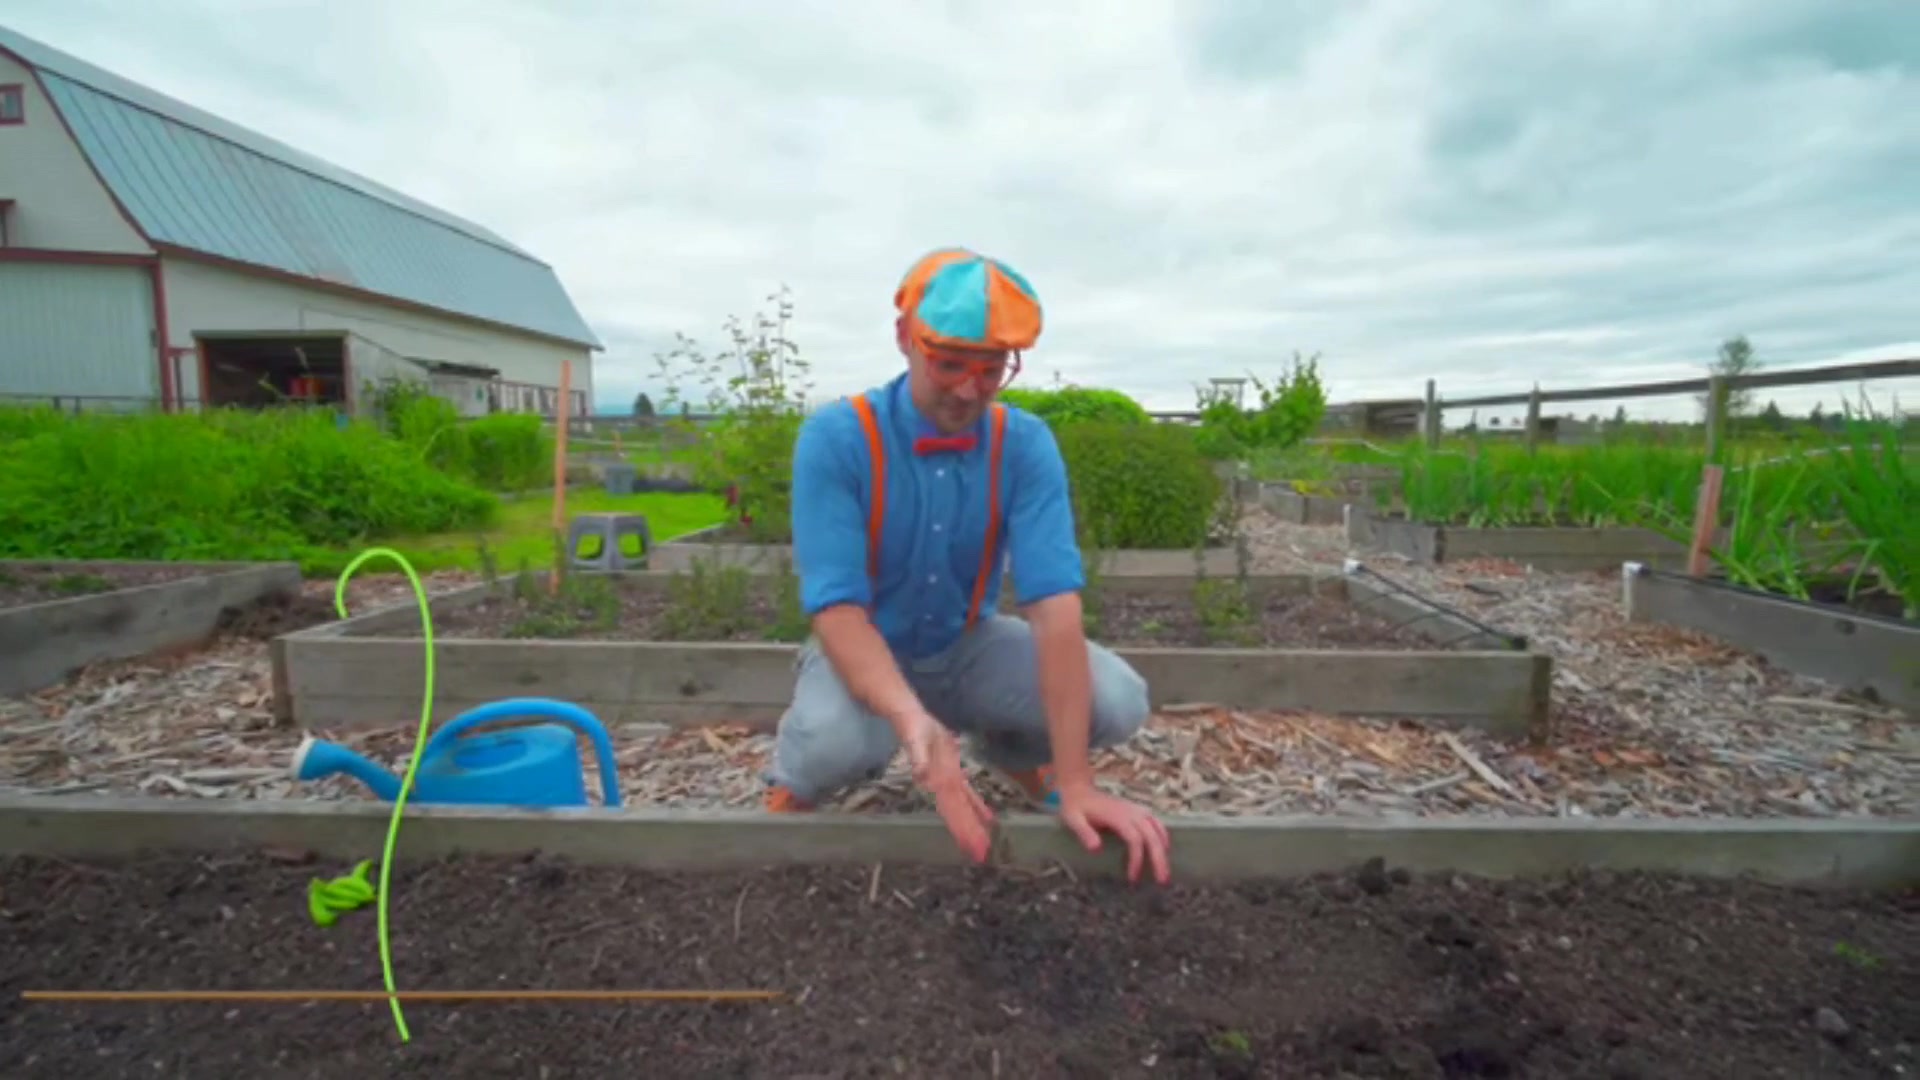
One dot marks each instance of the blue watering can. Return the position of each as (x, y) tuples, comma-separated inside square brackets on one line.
[(535, 765)]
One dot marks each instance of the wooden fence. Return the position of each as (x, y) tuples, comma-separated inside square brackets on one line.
[(1425, 413), (1716, 387)]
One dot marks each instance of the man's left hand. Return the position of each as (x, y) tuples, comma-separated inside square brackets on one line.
[(1088, 810)]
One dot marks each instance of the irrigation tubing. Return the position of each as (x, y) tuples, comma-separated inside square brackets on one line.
[(1437, 610)]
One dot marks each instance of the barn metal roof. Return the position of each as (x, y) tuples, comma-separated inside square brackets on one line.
[(196, 182)]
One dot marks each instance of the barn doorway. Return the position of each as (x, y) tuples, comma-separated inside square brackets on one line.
[(257, 371)]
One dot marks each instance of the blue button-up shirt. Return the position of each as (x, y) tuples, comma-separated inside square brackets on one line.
[(935, 520)]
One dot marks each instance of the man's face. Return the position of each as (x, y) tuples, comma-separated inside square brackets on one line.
[(954, 386)]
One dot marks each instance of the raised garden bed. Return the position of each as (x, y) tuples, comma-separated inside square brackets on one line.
[(672, 648), (1312, 960), (1866, 649), (1550, 548), (1270, 612), (728, 545), (1298, 508), (58, 616)]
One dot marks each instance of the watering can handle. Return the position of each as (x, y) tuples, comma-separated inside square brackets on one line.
[(545, 708)]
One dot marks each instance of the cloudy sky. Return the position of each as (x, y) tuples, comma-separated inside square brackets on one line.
[(1490, 193)]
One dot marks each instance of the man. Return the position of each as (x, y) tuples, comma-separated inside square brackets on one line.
[(909, 503)]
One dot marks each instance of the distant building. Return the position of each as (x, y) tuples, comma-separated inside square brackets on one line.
[(1387, 419), (152, 253)]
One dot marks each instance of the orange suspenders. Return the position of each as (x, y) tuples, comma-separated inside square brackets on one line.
[(877, 513)]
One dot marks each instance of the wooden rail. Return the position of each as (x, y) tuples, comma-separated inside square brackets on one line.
[(1716, 387)]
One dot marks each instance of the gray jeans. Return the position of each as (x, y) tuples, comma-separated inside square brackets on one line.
[(986, 687)]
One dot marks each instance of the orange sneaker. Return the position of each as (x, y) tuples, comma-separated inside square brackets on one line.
[(1038, 785), (780, 800)]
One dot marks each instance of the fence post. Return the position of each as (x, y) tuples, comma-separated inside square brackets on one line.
[(1716, 415), (1533, 419), (1430, 417)]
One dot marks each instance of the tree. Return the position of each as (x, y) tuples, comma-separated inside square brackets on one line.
[(1736, 358), (643, 406)]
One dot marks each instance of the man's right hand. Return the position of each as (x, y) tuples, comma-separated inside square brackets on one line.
[(935, 756)]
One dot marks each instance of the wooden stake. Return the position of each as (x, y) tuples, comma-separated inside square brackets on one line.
[(560, 477), (1706, 519), (102, 996)]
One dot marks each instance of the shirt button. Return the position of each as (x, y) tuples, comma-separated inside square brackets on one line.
[(933, 579), (939, 472), (936, 526)]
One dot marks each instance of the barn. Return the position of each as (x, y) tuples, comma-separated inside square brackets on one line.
[(153, 254)]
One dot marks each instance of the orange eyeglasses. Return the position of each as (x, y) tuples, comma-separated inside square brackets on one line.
[(953, 368)]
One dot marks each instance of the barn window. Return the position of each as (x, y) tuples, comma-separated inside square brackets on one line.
[(13, 104)]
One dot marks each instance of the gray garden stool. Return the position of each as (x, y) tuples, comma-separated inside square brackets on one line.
[(620, 479), (608, 529)]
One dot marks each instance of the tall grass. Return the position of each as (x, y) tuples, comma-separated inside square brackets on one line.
[(1796, 517), (1504, 485), (1877, 484), (225, 485), (501, 452)]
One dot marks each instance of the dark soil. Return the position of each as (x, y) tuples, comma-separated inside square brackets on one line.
[(23, 583), (960, 973), (1228, 618), (274, 615), (1867, 598), (723, 609)]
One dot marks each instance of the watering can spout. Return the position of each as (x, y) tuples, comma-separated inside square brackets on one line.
[(315, 759)]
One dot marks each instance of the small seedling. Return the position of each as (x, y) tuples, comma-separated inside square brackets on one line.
[(1856, 955), (488, 560), (1230, 1045)]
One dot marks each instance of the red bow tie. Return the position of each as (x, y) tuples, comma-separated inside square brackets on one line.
[(928, 444)]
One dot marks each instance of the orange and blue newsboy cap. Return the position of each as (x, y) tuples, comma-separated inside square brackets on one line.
[(959, 299)]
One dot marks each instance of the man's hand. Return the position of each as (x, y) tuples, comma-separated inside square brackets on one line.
[(937, 769), (1086, 810)]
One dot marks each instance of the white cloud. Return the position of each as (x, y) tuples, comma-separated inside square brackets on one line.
[(1491, 195)]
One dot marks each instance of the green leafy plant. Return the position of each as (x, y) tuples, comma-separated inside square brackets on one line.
[(1289, 409), (1094, 558), (756, 393), (577, 603), (710, 601), (1141, 487), (1226, 606), (1062, 406), (790, 622)]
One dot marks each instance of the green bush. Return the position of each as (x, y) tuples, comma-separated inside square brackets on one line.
[(1290, 409), (507, 452), (1066, 405), (501, 452), (227, 485), (1140, 486)]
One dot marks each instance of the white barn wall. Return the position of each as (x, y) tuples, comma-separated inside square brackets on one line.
[(59, 204), (203, 297)]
